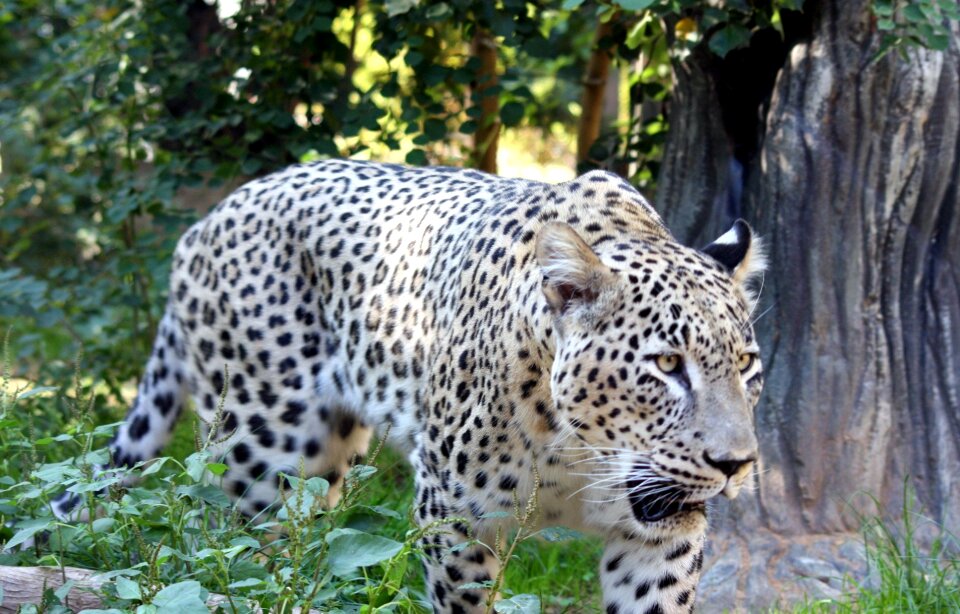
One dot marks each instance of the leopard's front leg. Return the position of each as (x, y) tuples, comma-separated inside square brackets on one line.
[(643, 577), (450, 564)]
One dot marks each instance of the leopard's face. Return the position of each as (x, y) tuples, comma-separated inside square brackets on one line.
[(656, 375)]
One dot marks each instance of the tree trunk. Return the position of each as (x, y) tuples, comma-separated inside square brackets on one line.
[(594, 88), (202, 23), (23, 586), (487, 136), (849, 169), (693, 191)]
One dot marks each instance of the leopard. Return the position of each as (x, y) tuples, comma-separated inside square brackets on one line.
[(513, 338)]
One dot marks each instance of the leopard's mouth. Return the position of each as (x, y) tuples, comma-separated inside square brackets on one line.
[(661, 504)]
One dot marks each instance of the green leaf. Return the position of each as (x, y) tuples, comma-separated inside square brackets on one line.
[(318, 486), (216, 468), (245, 540), (215, 553), (569, 5), (385, 511), (731, 36), (127, 589), (473, 586), (438, 11), (435, 129), (913, 13), (950, 9), (102, 525), (559, 534), (512, 113), (30, 493), (518, 604), (36, 391), (937, 42), (116, 573), (207, 493), (97, 457), (413, 58), (361, 472), (298, 505), (196, 465), (154, 466), (350, 549), (496, 514), (83, 487), (29, 529), (399, 7), (242, 569), (246, 583), (416, 157), (181, 598), (883, 8), (636, 5), (251, 165), (106, 429), (638, 33), (502, 24), (120, 209)]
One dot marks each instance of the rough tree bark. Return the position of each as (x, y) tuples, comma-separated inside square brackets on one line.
[(24, 586), (594, 89), (849, 168), (487, 136)]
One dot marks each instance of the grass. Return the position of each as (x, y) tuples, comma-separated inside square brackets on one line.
[(909, 574), (175, 536)]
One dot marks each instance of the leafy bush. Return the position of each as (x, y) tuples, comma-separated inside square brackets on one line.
[(175, 536)]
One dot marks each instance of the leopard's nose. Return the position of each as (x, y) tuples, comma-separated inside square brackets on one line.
[(728, 465)]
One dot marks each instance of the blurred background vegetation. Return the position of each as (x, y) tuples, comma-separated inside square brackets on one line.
[(123, 121)]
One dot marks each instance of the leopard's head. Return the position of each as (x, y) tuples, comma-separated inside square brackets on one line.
[(656, 371)]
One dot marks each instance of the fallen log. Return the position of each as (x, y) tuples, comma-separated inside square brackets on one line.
[(26, 585)]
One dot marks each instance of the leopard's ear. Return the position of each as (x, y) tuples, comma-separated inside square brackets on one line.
[(740, 252), (572, 273)]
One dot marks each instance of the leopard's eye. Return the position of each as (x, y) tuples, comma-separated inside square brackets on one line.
[(746, 361), (668, 363)]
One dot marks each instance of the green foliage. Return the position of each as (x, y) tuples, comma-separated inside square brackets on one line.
[(915, 23), (437, 97), (175, 537), (112, 112), (722, 26)]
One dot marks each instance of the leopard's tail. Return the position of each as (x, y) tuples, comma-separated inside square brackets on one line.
[(149, 424)]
